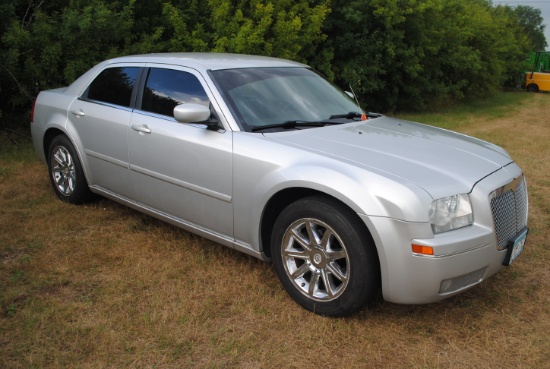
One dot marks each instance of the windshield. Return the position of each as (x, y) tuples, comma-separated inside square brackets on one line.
[(270, 96)]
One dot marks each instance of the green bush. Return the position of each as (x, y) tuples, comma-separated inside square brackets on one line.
[(394, 53)]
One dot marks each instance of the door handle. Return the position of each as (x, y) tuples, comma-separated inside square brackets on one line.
[(78, 113), (141, 128)]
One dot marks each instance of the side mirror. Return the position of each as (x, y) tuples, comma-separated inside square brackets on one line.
[(191, 113), (350, 94)]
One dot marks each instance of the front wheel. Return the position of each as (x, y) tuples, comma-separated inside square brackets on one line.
[(66, 173), (325, 257)]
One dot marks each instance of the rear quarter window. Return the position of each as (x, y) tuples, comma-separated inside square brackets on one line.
[(113, 86)]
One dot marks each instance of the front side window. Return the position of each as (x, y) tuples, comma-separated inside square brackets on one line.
[(113, 86), (166, 88)]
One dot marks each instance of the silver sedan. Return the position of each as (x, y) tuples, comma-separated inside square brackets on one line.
[(265, 156)]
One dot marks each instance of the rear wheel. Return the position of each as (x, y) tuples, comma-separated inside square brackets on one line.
[(532, 88), (324, 256), (66, 175)]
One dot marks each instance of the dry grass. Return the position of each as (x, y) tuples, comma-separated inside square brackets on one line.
[(102, 286)]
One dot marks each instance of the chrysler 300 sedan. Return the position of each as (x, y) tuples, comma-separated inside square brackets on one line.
[(265, 156)]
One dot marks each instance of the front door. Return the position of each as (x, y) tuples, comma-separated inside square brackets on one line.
[(181, 170)]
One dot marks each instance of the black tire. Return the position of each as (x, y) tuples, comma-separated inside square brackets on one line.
[(532, 88), (333, 278), (65, 170)]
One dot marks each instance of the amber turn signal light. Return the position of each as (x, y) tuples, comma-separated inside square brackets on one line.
[(424, 250)]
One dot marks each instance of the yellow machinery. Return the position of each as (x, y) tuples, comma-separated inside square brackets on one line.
[(537, 81), (539, 77)]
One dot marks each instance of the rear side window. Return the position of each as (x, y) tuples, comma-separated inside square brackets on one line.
[(113, 86), (166, 88)]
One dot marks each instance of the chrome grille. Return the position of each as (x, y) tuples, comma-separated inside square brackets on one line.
[(509, 208), (521, 204)]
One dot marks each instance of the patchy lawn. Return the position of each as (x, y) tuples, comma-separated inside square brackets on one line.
[(102, 286)]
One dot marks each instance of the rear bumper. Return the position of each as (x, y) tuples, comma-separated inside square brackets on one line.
[(37, 134)]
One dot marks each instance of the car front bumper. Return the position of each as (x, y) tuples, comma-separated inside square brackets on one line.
[(461, 258)]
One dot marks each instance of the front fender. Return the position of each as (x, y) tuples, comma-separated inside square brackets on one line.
[(258, 178)]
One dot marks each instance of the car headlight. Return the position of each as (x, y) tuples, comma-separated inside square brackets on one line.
[(450, 213)]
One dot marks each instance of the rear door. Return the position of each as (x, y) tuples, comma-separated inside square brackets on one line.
[(182, 170), (101, 117)]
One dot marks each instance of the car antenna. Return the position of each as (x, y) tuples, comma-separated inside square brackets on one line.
[(363, 115)]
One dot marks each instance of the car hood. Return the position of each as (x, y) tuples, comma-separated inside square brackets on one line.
[(442, 162)]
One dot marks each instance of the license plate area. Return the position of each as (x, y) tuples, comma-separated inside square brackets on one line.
[(515, 246)]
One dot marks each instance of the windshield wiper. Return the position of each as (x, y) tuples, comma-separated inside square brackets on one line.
[(290, 124), (350, 115), (354, 114)]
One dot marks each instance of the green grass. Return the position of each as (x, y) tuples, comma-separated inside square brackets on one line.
[(461, 115)]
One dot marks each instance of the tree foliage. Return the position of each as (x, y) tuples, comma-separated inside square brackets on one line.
[(410, 53), (531, 21), (394, 53)]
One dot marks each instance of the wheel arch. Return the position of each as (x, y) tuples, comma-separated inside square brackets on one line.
[(51, 134), (284, 198)]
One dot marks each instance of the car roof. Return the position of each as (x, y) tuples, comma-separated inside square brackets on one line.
[(199, 61), (208, 61)]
